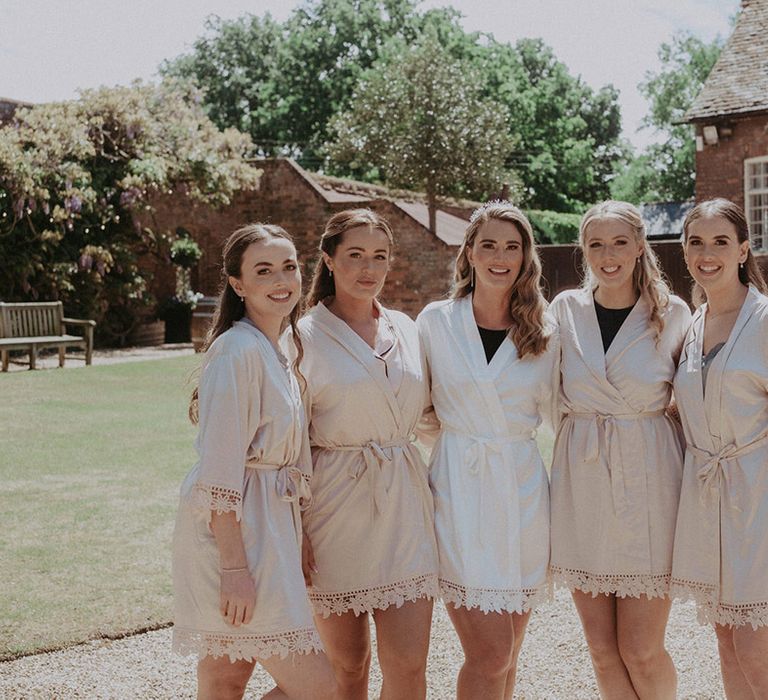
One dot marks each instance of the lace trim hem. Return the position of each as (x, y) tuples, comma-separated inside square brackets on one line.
[(246, 647), (370, 599), (621, 585), (496, 600), (217, 499), (711, 611)]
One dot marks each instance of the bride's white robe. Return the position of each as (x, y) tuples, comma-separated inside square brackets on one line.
[(487, 477), (721, 543), (617, 462), (370, 522)]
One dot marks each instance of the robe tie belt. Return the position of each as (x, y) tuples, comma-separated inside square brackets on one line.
[(477, 457), (711, 473), (602, 438), (375, 460), (292, 487)]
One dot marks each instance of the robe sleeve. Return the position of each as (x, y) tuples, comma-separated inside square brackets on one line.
[(229, 413), (428, 427), (551, 409)]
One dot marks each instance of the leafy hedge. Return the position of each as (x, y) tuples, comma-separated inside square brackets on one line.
[(554, 226)]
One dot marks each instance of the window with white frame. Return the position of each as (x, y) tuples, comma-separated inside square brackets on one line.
[(756, 200)]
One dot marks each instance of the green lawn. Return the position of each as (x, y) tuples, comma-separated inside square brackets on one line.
[(91, 460)]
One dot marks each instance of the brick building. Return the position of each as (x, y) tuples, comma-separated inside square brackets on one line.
[(730, 117), (302, 203)]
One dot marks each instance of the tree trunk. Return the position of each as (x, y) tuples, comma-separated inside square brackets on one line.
[(432, 206)]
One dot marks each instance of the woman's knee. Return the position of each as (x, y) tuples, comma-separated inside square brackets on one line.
[(352, 662), (641, 657), (403, 663), (491, 659)]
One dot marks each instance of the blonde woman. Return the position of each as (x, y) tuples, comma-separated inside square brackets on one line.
[(617, 461), (721, 387), (370, 536), (239, 594), (492, 356)]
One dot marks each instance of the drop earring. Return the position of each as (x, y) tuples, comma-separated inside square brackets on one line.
[(472, 276), (741, 266)]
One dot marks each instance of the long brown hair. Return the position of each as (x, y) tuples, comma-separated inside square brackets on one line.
[(230, 307), (322, 285), (750, 273), (527, 303), (647, 278)]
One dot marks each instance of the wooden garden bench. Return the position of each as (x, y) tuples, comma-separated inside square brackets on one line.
[(40, 325)]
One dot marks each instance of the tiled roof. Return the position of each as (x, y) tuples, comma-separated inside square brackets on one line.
[(450, 228), (8, 107), (664, 220), (738, 84)]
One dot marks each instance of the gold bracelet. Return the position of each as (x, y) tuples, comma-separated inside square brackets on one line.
[(234, 571)]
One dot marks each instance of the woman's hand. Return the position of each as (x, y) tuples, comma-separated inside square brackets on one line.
[(308, 566), (237, 596)]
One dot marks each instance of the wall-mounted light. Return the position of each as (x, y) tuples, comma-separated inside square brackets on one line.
[(710, 135)]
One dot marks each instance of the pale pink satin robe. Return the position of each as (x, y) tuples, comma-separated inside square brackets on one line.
[(617, 462), (371, 520), (721, 544), (254, 460), (489, 483)]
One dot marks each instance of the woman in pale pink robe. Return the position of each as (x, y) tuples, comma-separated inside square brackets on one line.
[(239, 594), (370, 527), (721, 388), (617, 461), (493, 354)]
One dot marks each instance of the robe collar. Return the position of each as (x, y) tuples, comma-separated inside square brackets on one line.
[(340, 332), (709, 400)]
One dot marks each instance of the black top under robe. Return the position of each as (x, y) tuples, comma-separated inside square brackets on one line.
[(610, 321), (492, 341)]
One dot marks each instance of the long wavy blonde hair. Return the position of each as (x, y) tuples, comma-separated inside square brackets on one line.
[(527, 303), (322, 285), (647, 278), (749, 272)]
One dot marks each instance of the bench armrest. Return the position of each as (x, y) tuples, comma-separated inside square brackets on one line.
[(79, 322)]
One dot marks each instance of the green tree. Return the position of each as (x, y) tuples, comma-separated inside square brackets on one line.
[(73, 175), (666, 170), (420, 118), (281, 83), (568, 134)]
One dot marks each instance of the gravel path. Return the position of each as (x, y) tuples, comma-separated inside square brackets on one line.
[(554, 664)]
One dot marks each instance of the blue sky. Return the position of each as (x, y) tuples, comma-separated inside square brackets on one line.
[(50, 48)]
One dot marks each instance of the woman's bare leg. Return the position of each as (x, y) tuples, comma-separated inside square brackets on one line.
[(301, 677), (641, 625), (752, 654), (598, 618), (488, 641), (402, 636), (347, 642), (220, 679)]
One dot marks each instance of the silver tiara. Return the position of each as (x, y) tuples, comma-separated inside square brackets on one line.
[(488, 205)]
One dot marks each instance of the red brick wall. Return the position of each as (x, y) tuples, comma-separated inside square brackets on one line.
[(720, 168), (420, 272)]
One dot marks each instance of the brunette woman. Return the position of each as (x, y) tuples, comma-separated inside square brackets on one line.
[(492, 356), (721, 387), (370, 527), (239, 594)]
